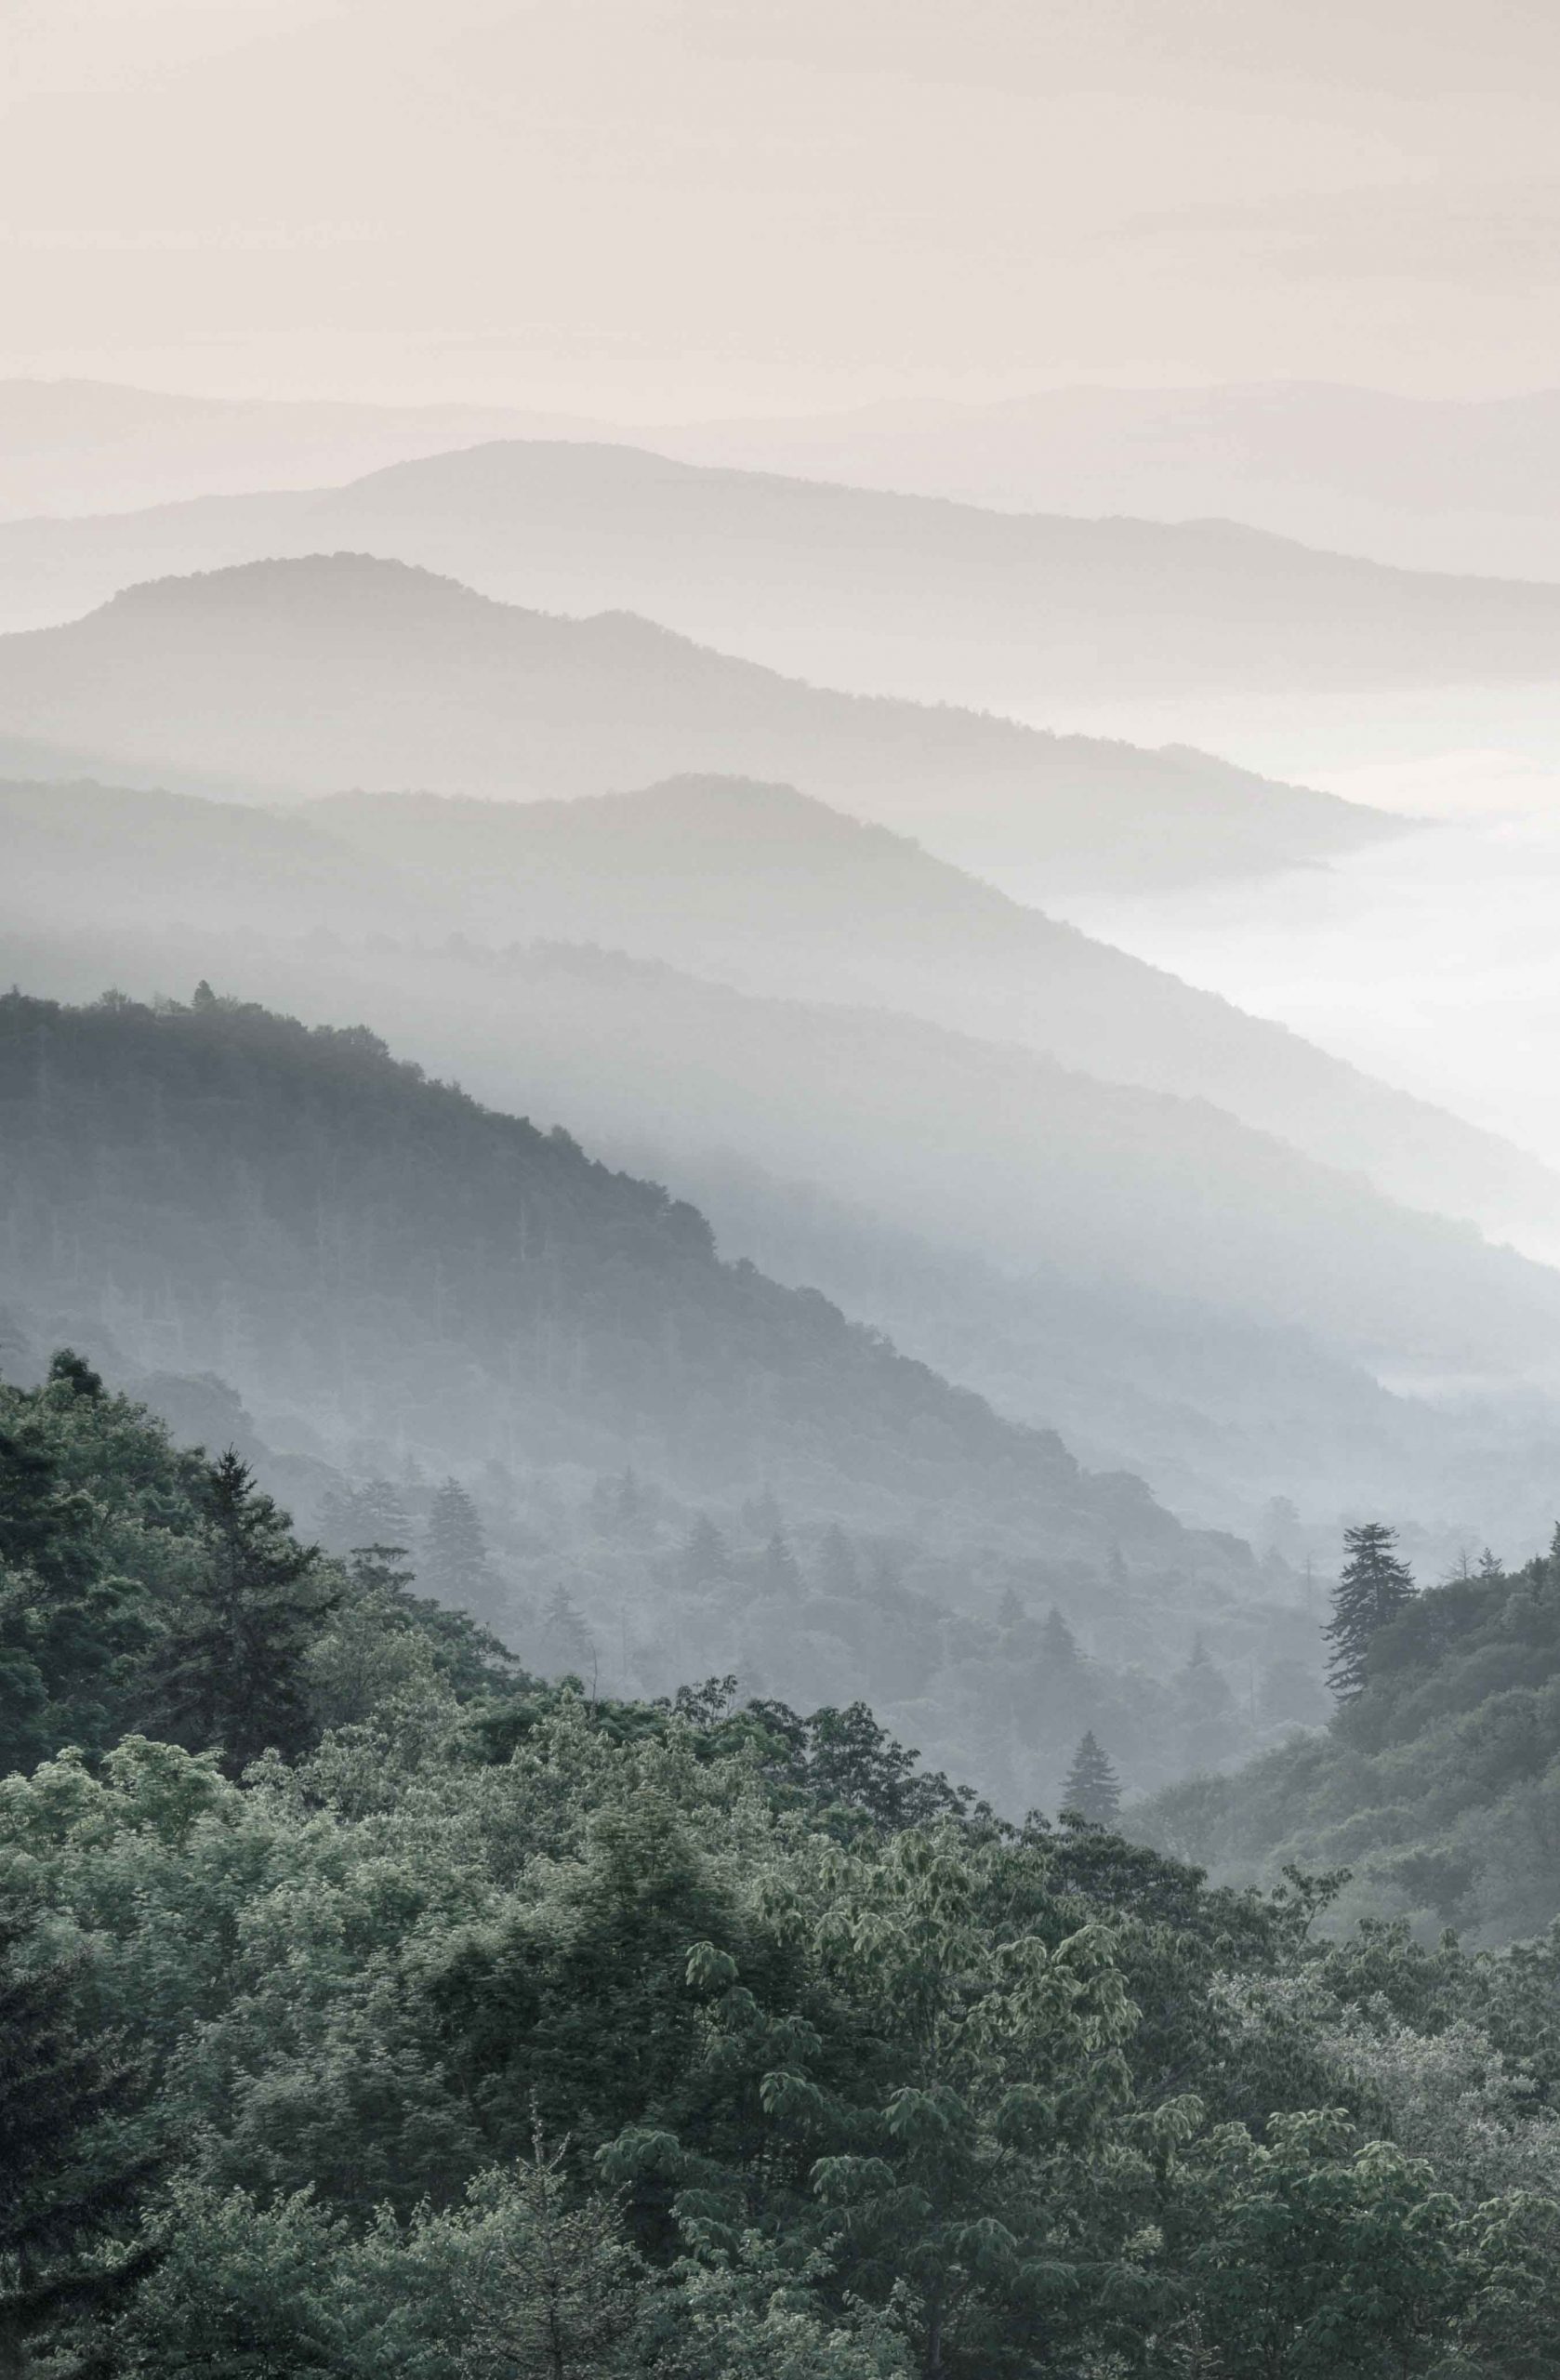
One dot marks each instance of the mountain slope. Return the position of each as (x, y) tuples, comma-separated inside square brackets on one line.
[(312, 674), (884, 592), (769, 891), (226, 1191), (1436, 1787), (772, 892), (1103, 1286)]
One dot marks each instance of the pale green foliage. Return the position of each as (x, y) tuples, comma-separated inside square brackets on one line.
[(745, 2316)]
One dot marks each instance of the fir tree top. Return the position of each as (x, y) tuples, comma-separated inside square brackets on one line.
[(1374, 1587), (1093, 1789)]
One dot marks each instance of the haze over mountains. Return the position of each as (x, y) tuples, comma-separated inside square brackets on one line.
[(1424, 483), (879, 592), (307, 676), (780, 1190), (1178, 1293), (71, 446), (770, 891)]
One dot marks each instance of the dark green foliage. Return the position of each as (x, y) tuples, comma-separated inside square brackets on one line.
[(1374, 1589), (230, 1671), (74, 1628), (68, 2176), (1093, 1789)]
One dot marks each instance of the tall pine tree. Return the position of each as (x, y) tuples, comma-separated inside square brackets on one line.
[(456, 1565), (232, 1671), (1375, 1586), (1093, 1789)]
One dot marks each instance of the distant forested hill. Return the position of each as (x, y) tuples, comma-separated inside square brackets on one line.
[(227, 1190), (307, 675), (1439, 1787)]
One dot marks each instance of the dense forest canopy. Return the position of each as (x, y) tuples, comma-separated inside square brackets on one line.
[(476, 2025)]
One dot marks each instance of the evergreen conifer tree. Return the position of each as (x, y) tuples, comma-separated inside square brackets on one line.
[(549, 2285), (1375, 1586), (778, 1574), (455, 1566), (568, 1647), (1093, 1789), (706, 1559), (65, 2182), (381, 1515), (232, 1671), (384, 1571), (1059, 1648)]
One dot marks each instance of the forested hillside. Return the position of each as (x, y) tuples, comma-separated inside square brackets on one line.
[(300, 1244), (369, 2006), (1180, 1298), (225, 1184), (1437, 1783)]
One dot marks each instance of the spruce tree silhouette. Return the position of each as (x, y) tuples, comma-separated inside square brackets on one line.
[(232, 1667), (1375, 1586), (1093, 1789)]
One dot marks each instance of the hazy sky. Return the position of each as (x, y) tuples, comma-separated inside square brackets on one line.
[(659, 206)]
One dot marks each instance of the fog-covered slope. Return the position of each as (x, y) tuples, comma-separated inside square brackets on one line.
[(767, 889), (866, 589), (772, 891), (1190, 1296), (338, 671), (226, 1190)]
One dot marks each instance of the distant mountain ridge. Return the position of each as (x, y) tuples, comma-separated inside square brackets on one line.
[(1439, 484), (769, 890), (303, 676), (877, 590)]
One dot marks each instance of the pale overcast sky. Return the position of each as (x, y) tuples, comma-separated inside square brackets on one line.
[(670, 206)]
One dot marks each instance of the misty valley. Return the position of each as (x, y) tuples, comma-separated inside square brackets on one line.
[(779, 1196)]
